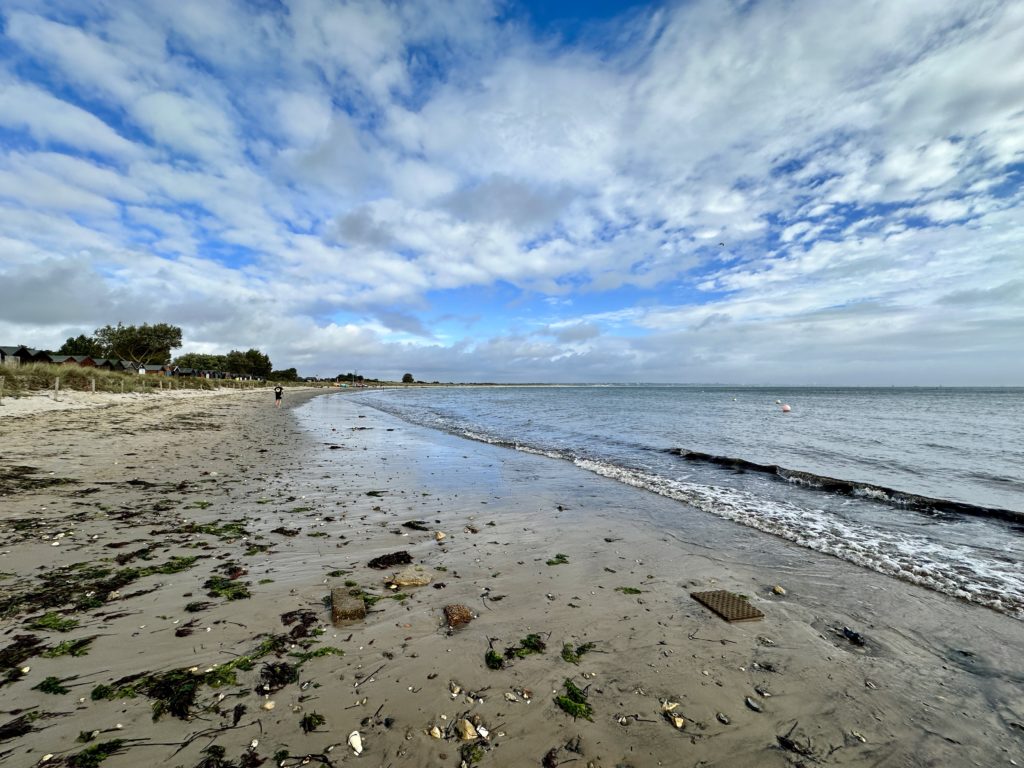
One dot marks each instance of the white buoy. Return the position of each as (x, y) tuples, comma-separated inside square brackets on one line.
[(786, 408)]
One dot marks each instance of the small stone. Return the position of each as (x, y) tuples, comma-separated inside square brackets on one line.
[(778, 590), (435, 732), (439, 535), (413, 576), (466, 730), (267, 705), (346, 607)]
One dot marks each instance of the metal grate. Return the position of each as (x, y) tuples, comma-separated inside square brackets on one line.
[(728, 605)]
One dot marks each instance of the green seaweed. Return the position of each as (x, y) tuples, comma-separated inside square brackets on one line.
[(229, 589), (326, 650), (574, 702), (93, 756), (471, 753), (52, 685), (311, 721), (629, 590), (572, 655), (559, 559), (494, 660), (53, 622), (78, 647), (530, 644)]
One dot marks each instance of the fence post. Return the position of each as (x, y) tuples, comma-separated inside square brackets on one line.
[(94, 386), (2, 389), (56, 387), (122, 386)]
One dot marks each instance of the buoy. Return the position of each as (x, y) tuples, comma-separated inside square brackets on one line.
[(778, 402), (786, 408)]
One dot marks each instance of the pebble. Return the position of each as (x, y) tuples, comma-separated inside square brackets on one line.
[(721, 717)]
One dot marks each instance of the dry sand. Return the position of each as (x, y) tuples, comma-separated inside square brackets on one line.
[(938, 682)]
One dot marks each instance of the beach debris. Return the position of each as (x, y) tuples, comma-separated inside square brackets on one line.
[(276, 675), (792, 745), (530, 644), (572, 655), (574, 702), (267, 706), (854, 637), (728, 605), (767, 642), (559, 559), (722, 718), (466, 730), (550, 759), (778, 590), (471, 754), (677, 721), (416, 525), (762, 691), (457, 615), (669, 706), (511, 697), (494, 660), (413, 576), (311, 721), (435, 732), (282, 531), (439, 535), (303, 619), (753, 705), (356, 742), (390, 560), (629, 590)]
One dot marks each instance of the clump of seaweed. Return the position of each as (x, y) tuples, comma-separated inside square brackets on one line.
[(572, 655), (54, 622), (494, 660), (52, 685), (574, 702), (93, 756), (530, 644), (471, 753), (629, 590), (559, 559), (303, 619), (311, 721), (417, 525), (199, 605), (229, 589), (390, 560), (276, 675), (78, 647)]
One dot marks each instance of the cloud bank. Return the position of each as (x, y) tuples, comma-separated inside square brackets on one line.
[(703, 192)]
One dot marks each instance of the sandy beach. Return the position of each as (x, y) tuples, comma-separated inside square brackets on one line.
[(167, 564)]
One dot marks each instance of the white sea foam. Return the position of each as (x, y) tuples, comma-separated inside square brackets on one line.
[(947, 568)]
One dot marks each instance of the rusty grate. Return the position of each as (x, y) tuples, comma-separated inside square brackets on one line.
[(728, 605)]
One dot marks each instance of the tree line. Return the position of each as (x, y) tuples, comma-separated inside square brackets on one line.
[(148, 344)]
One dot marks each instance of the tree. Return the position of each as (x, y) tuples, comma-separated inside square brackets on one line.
[(201, 362), (288, 374), (82, 345), (249, 363), (408, 379), (149, 344)]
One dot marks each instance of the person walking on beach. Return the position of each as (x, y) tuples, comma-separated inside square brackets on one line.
[(278, 392)]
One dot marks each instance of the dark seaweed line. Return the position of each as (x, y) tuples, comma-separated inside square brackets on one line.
[(894, 497)]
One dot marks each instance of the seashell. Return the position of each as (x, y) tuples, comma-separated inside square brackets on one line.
[(778, 590), (484, 733), (466, 730), (511, 697), (859, 737), (254, 743), (267, 705), (46, 757), (668, 706), (722, 718), (762, 691), (25, 670), (356, 742), (435, 732), (751, 704), (454, 688), (676, 720), (439, 535)]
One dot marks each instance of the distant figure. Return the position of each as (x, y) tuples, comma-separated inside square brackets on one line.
[(278, 392), (786, 408)]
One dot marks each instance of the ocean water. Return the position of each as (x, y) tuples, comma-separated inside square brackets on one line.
[(925, 485)]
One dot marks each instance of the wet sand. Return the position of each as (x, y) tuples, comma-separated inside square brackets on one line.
[(291, 513)]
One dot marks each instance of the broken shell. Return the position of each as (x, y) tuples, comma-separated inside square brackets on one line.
[(356, 742), (267, 705), (439, 535), (26, 670), (668, 706), (466, 730), (254, 743), (762, 691), (676, 720), (46, 757), (454, 688), (482, 731), (751, 704), (859, 737), (722, 718), (435, 732), (778, 590)]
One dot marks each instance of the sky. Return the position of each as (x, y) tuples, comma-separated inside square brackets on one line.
[(786, 192)]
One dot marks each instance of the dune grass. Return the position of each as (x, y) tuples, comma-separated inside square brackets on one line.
[(34, 377)]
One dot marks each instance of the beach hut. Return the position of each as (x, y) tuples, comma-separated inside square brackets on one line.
[(84, 360), (8, 356)]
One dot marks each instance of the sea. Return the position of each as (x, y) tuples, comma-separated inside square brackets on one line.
[(924, 485)]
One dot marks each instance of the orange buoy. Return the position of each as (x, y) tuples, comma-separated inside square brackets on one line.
[(786, 408)]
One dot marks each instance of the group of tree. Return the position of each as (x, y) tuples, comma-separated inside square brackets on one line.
[(152, 344), (140, 344), (252, 362)]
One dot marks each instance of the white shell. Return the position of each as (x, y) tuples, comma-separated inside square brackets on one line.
[(267, 705), (356, 742), (435, 732)]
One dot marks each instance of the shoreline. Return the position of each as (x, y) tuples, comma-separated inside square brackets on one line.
[(168, 480)]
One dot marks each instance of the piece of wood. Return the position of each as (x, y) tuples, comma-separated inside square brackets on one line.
[(728, 605), (346, 607)]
